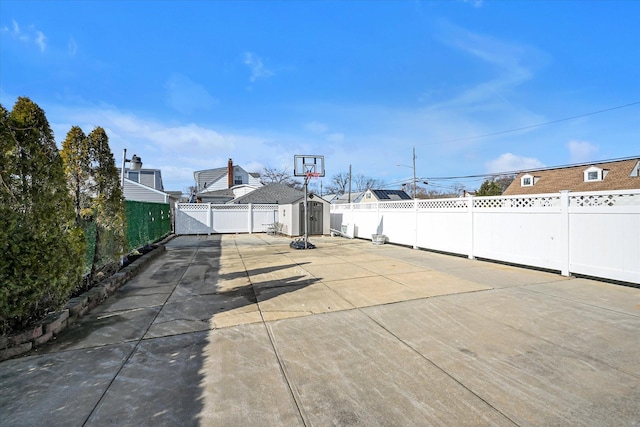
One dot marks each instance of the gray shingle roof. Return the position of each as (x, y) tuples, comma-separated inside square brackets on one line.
[(271, 193), (217, 193)]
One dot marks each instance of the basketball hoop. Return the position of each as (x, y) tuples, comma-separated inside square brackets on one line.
[(310, 175), (309, 167)]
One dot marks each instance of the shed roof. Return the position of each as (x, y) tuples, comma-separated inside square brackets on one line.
[(271, 193)]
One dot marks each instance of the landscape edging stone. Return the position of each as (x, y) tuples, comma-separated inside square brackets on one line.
[(22, 342)]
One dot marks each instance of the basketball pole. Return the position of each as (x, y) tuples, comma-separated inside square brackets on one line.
[(306, 214), (307, 166)]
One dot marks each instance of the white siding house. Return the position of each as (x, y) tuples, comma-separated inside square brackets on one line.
[(142, 193), (210, 180)]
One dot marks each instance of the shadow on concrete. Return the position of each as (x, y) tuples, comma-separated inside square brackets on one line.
[(164, 319), (258, 271)]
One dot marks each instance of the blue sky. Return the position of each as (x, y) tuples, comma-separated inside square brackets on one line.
[(187, 85)]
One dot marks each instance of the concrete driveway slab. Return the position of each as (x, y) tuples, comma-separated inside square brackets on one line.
[(625, 299), (364, 376), (389, 266), (143, 393), (284, 274), (436, 282), (502, 276), (100, 328), (530, 380), (610, 337), (374, 290), (199, 313), (242, 381), (244, 330), (338, 271), (53, 389), (285, 302)]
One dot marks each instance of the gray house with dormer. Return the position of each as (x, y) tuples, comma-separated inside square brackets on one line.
[(220, 185)]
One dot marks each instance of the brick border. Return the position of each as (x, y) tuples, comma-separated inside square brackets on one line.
[(20, 343)]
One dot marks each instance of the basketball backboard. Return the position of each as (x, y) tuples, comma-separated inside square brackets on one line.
[(304, 165)]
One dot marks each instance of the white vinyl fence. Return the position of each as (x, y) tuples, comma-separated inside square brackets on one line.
[(593, 233), (207, 218)]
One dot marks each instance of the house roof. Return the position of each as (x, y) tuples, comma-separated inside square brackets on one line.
[(617, 177), (271, 193), (391, 194), (344, 198), (209, 175), (227, 192)]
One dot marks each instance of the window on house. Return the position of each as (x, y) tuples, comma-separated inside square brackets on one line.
[(237, 181), (593, 174), (134, 176), (526, 181), (368, 196)]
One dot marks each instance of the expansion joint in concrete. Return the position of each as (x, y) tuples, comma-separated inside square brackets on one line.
[(135, 347)]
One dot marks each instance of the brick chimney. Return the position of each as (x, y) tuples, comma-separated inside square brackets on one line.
[(230, 173)]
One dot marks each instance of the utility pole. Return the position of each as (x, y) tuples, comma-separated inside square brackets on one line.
[(349, 198), (414, 171)]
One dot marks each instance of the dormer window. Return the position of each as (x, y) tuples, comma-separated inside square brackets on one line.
[(594, 174), (527, 181)]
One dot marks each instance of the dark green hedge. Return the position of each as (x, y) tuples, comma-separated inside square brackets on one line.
[(146, 222)]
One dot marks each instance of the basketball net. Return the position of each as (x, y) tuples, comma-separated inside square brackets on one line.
[(313, 175)]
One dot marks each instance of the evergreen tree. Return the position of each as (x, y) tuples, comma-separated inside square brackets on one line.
[(8, 214), (489, 188), (77, 167), (44, 251), (108, 202)]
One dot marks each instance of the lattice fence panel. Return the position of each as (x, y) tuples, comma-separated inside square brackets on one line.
[(443, 204), (363, 206), (193, 207), (230, 208), (604, 200), (517, 202), (396, 205)]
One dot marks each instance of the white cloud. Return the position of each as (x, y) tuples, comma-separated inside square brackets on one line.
[(581, 151), (474, 3), (41, 41), (72, 47), (31, 35), (176, 149), (258, 70), (316, 127), (514, 64), (509, 162), (335, 137), (186, 96)]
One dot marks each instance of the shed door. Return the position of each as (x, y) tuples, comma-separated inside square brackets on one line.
[(314, 211)]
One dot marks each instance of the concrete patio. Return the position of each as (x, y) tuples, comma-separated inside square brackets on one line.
[(243, 330)]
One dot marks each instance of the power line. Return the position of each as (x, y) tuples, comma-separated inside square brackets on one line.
[(515, 172), (539, 124)]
